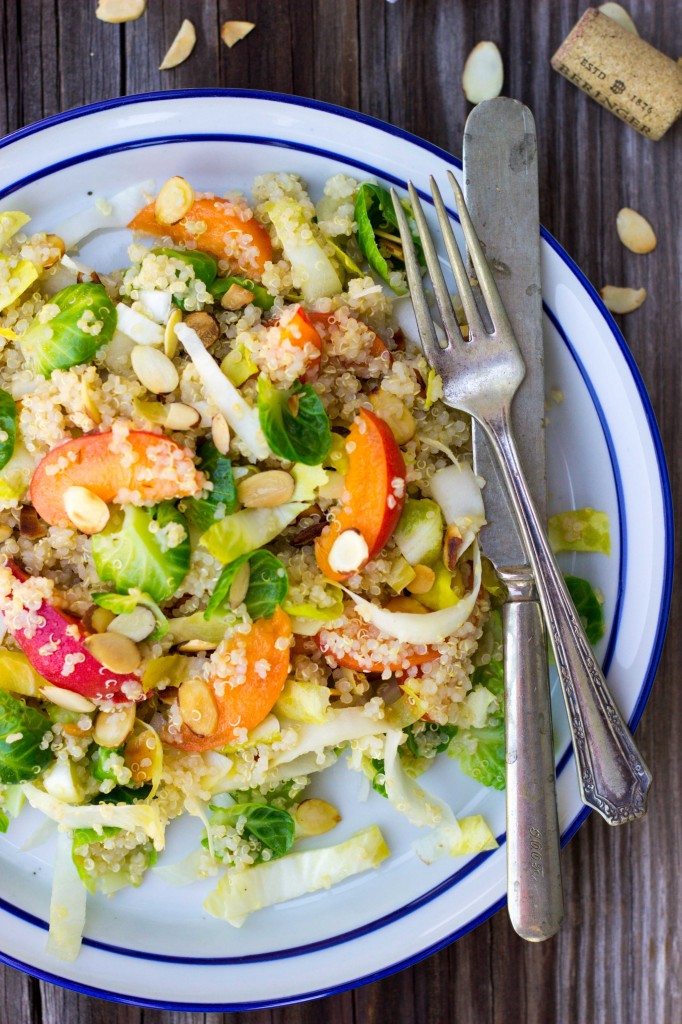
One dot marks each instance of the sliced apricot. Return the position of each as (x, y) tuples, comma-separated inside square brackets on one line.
[(330, 326), (212, 225), (137, 468), (296, 328), (256, 668), (375, 491)]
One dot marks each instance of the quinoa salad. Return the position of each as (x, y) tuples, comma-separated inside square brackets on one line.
[(239, 543)]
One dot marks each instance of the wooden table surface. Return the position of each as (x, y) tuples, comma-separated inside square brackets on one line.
[(618, 957)]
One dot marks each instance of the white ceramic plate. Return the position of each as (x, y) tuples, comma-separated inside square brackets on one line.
[(155, 945)]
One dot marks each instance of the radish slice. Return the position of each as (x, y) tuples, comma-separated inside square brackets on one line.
[(240, 416), (432, 628)]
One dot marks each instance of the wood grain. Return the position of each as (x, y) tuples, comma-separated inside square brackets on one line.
[(617, 959)]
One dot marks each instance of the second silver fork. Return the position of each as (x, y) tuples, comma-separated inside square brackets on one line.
[(480, 377)]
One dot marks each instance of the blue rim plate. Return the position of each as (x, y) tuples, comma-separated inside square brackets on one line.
[(604, 450)]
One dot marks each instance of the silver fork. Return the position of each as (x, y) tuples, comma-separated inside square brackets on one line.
[(480, 377)]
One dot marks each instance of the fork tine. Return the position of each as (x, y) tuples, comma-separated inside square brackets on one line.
[(427, 331), (484, 274), (440, 288), (464, 288)]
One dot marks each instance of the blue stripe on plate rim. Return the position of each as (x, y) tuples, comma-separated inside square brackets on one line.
[(655, 437)]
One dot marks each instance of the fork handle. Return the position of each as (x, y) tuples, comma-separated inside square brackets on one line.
[(612, 775), (534, 890)]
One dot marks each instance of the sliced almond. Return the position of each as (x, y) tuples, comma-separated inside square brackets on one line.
[(86, 510), (233, 31), (198, 708), (240, 585), (97, 619), (112, 728), (136, 625), (393, 411), (30, 523), (58, 244), (180, 416), (197, 646), (635, 231), (617, 13), (266, 490), (315, 817), (424, 578), (154, 370), (220, 432), (170, 342), (175, 199), (140, 755), (117, 653), (181, 47), (89, 404), (67, 699), (622, 300), (206, 326), (483, 75), (348, 552), (116, 11), (236, 297), (452, 544)]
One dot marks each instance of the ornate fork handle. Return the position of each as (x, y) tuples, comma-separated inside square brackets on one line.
[(612, 776)]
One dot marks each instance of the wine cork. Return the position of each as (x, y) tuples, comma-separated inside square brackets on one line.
[(625, 74)]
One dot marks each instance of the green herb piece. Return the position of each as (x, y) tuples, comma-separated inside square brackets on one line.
[(222, 500), (124, 795), (587, 606), (128, 554), (294, 422), (205, 267), (429, 741), (4, 822), (271, 826), (261, 296), (22, 729), (378, 233), (268, 585), (8, 427), (61, 343)]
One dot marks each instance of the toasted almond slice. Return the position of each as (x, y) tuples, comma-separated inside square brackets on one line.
[(136, 625), (198, 708), (196, 646), (117, 653), (181, 47), (220, 432), (483, 75), (89, 404), (233, 31), (154, 370), (348, 552), (617, 13), (97, 619), (406, 604), (174, 200), (206, 326), (86, 510), (170, 342), (112, 728), (315, 817), (67, 699), (452, 543), (30, 523), (240, 585), (424, 578), (622, 300), (116, 11), (58, 244), (266, 490), (181, 417), (635, 231), (236, 297)]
